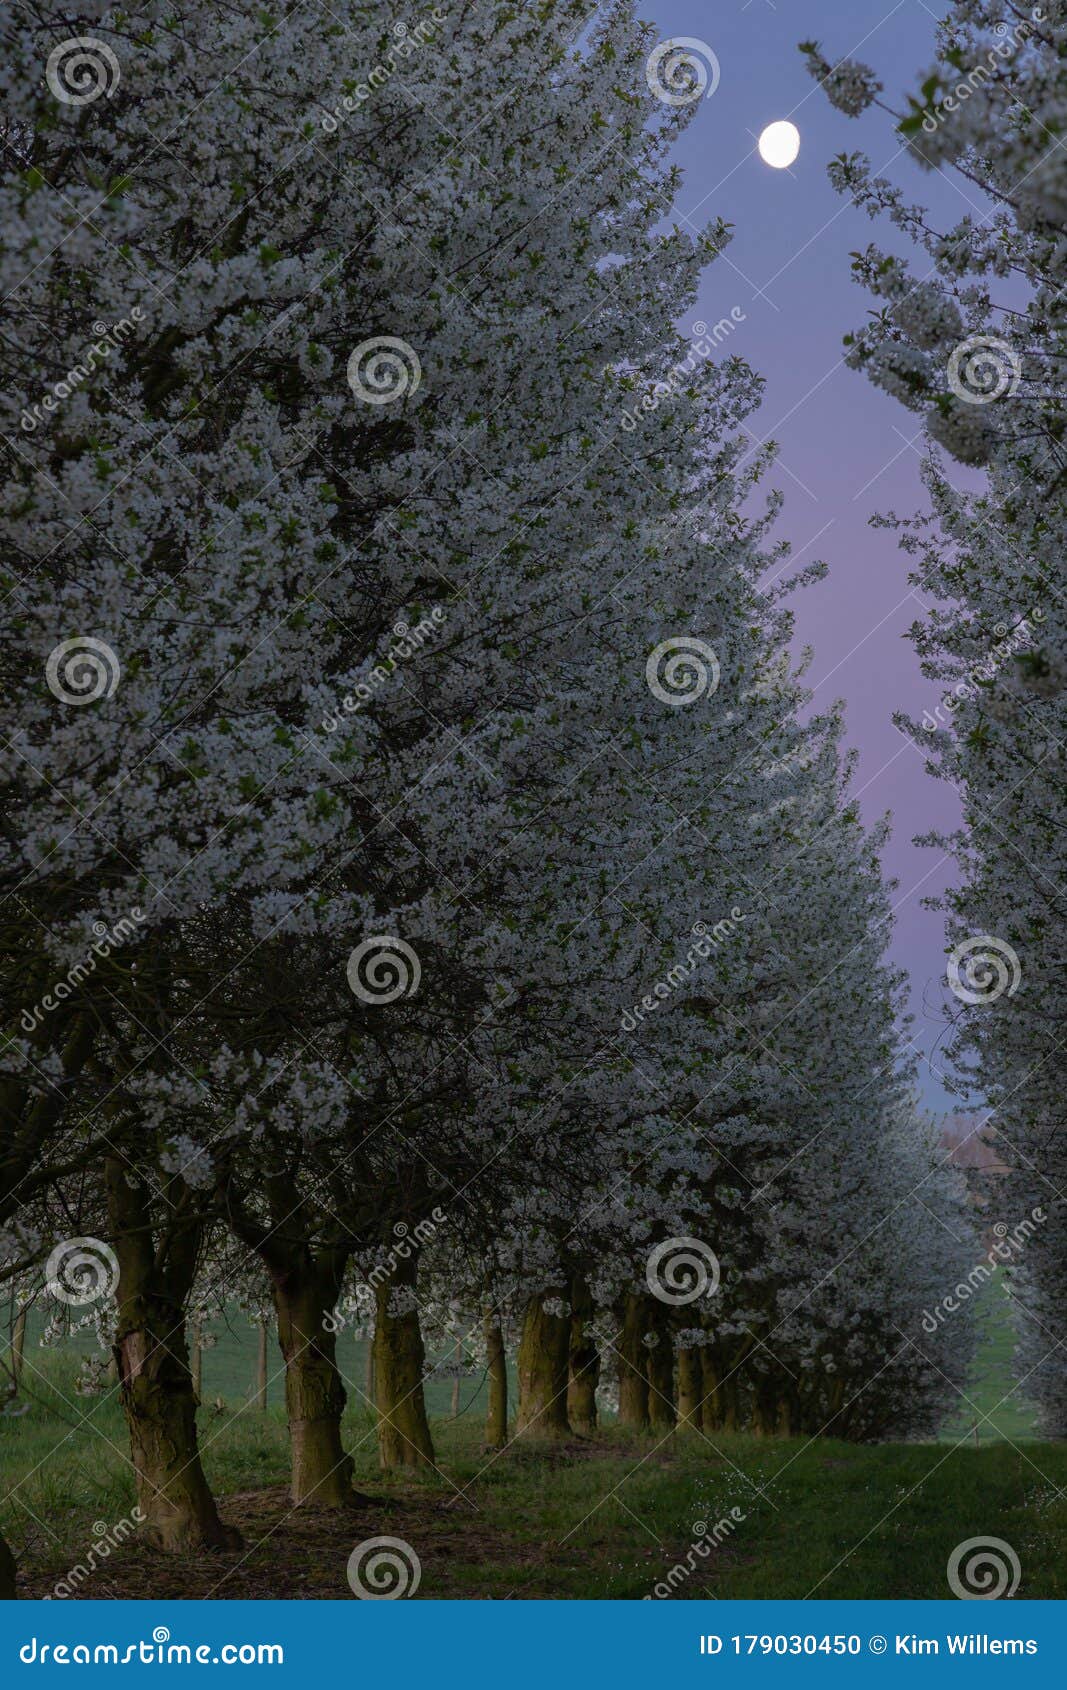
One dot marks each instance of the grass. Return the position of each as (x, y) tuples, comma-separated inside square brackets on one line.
[(991, 1390), (229, 1365), (598, 1518)]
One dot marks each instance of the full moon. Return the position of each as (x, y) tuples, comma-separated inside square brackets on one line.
[(779, 144)]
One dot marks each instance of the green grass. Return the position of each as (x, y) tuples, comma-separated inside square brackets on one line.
[(604, 1519), (991, 1389), (601, 1518), (229, 1365)]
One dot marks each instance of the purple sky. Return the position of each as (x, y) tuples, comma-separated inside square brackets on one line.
[(844, 449)]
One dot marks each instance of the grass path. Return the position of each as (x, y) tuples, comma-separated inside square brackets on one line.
[(601, 1518), (604, 1518)]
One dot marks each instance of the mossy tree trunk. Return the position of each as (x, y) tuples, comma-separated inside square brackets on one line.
[(660, 1365), (690, 1387), (369, 1388), (306, 1282), (724, 1390), (766, 1409), (838, 1425), (496, 1420), (633, 1366), (457, 1358), (156, 1270), (712, 1415), (260, 1397), (544, 1367), (399, 1358), (583, 1381), (196, 1363), (306, 1287), (18, 1345), (584, 1363)]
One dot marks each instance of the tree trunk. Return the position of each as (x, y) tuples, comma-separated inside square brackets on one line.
[(155, 1384), (584, 1377), (18, 1345), (713, 1412), (496, 1420), (403, 1430), (660, 1365), (368, 1381), (633, 1367), (196, 1362), (260, 1396), (457, 1357), (766, 1409), (690, 1389), (7, 1573), (305, 1291), (543, 1369)]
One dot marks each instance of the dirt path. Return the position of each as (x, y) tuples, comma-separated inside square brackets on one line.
[(295, 1553)]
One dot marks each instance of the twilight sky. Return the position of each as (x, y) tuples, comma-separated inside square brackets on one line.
[(844, 446)]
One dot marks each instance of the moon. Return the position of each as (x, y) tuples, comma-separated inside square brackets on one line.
[(779, 144)]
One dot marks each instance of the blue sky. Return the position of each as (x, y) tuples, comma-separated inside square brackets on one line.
[(846, 450)]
